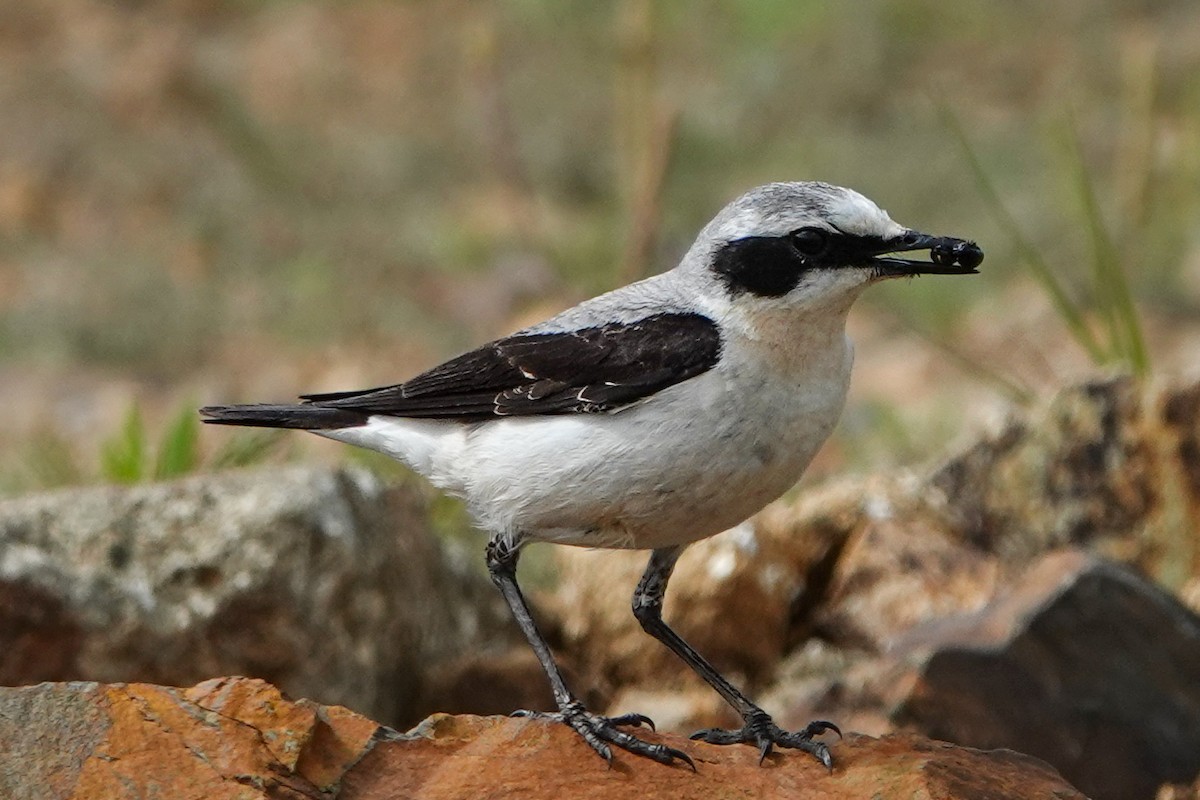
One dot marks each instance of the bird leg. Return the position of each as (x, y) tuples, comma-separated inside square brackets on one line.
[(759, 729), (596, 730)]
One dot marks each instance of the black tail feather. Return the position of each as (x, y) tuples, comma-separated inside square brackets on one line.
[(300, 417)]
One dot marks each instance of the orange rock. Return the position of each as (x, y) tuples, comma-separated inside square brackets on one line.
[(241, 739), (285, 726), (447, 758), (339, 740)]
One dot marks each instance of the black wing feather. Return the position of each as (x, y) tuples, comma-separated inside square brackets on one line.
[(584, 371)]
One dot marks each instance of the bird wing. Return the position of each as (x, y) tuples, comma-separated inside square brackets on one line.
[(589, 370)]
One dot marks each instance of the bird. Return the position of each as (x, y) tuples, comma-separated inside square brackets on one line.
[(649, 417)]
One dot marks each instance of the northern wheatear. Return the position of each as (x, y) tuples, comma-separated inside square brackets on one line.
[(649, 417)]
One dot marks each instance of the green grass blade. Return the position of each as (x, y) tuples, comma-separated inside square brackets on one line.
[(123, 457), (1067, 309), (178, 453), (1111, 282)]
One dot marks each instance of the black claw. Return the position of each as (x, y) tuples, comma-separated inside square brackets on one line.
[(720, 736), (819, 726), (764, 750), (682, 756), (634, 720)]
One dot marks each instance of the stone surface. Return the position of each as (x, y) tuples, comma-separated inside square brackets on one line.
[(323, 581), (1107, 464), (491, 682), (240, 738), (902, 566), (1084, 664), (225, 738)]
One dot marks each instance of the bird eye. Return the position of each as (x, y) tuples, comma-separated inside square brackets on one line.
[(810, 241)]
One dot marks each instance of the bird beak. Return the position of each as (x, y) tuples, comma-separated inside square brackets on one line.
[(947, 256)]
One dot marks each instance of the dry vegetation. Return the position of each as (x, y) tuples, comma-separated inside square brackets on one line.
[(235, 201)]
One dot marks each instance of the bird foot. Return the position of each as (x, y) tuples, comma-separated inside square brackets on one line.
[(761, 730), (600, 731)]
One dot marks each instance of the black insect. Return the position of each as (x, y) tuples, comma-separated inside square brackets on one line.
[(968, 254)]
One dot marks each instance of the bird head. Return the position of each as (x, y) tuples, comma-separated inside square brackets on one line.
[(806, 243)]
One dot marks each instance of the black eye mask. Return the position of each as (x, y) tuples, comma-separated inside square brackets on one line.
[(772, 266)]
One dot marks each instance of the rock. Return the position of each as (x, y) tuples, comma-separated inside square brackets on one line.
[(902, 565), (225, 738), (1084, 664), (240, 738), (323, 581), (1178, 417), (1107, 465), (489, 683), (528, 759)]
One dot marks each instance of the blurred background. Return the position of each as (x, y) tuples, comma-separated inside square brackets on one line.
[(229, 201)]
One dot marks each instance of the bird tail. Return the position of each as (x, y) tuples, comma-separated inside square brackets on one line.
[(300, 417)]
